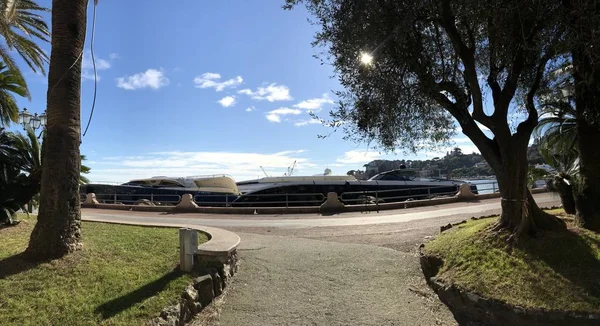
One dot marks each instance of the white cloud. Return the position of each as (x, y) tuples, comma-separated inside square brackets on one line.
[(151, 78), (271, 93), (227, 101), (241, 165), (114, 56), (273, 118), (212, 80), (358, 156), (87, 65), (275, 115), (250, 109), (307, 122), (314, 104)]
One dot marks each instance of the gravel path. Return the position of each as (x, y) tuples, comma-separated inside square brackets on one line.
[(291, 281)]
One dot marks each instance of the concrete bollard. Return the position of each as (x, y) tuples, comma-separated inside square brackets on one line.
[(188, 244), (187, 203), (90, 199), (332, 204), (465, 193)]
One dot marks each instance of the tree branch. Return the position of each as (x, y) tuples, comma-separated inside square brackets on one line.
[(467, 56), (526, 127), (492, 78)]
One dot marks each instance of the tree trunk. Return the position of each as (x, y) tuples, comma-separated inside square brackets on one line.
[(520, 213), (57, 231), (587, 101), (588, 194)]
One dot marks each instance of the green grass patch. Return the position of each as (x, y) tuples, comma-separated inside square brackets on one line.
[(124, 275), (552, 271)]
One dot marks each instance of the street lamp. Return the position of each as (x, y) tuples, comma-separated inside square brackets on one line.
[(34, 121)]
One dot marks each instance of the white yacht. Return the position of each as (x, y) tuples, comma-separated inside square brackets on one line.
[(257, 184), (211, 190)]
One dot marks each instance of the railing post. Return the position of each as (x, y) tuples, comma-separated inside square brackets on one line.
[(428, 192), (152, 198), (115, 199), (493, 187), (226, 200), (286, 201)]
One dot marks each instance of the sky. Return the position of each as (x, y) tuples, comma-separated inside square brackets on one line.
[(208, 87)]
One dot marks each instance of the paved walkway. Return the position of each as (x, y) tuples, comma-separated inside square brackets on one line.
[(293, 281), (329, 271)]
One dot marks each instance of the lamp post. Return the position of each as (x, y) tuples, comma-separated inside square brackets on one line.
[(34, 121)]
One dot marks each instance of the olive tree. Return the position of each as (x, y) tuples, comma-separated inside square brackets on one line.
[(411, 70)]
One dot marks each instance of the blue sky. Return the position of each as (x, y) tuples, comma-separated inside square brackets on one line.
[(208, 87)]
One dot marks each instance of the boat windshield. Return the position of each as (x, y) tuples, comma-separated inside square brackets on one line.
[(396, 175)]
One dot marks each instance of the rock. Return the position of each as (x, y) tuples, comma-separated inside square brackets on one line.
[(217, 280), (217, 284), (190, 294), (445, 227), (196, 307), (170, 311), (204, 285)]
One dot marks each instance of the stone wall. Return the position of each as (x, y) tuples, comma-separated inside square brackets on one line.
[(213, 277)]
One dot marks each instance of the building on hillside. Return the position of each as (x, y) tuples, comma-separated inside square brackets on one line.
[(371, 168), (482, 165)]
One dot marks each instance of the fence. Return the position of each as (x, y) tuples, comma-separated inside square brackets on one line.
[(132, 199), (396, 195)]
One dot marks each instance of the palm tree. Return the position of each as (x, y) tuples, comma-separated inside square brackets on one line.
[(20, 27), (21, 166), (20, 162), (10, 82), (58, 229), (557, 130)]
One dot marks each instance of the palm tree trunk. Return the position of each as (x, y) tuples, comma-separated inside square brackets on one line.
[(57, 231)]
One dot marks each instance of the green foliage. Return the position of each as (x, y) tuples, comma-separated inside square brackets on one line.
[(10, 83), (427, 59), (21, 26), (124, 275), (21, 167), (556, 271)]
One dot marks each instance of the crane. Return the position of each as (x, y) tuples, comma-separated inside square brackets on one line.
[(290, 170), (265, 172)]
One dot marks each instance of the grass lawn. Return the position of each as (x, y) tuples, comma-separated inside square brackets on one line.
[(125, 275), (557, 272)]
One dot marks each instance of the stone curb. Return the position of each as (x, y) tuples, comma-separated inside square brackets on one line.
[(216, 262)]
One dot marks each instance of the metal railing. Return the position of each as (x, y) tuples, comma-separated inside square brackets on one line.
[(395, 195), (129, 199), (286, 200), (300, 199)]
